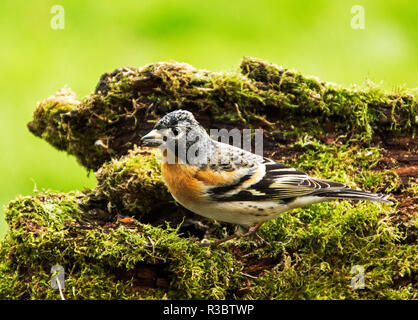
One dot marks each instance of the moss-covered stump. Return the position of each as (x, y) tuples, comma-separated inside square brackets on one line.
[(128, 239), (126, 103)]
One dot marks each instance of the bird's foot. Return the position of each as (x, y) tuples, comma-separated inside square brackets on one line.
[(258, 238)]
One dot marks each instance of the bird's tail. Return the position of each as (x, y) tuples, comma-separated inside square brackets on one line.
[(346, 193)]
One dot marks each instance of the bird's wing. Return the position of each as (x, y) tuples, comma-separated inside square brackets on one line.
[(230, 171), (269, 180), (283, 182), (286, 183)]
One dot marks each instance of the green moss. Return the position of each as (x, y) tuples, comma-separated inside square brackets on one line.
[(47, 122), (357, 111), (104, 263), (134, 183), (351, 164)]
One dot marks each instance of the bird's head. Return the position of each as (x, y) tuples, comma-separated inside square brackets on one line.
[(179, 125)]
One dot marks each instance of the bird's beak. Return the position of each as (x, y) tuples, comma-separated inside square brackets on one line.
[(152, 139)]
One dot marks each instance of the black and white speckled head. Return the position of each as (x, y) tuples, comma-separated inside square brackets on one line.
[(179, 132), (178, 118)]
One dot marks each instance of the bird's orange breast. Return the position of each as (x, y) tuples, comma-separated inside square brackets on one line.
[(189, 183), (181, 181)]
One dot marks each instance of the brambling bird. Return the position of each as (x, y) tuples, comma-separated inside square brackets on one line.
[(226, 183)]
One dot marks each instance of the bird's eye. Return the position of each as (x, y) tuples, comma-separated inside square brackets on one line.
[(176, 131)]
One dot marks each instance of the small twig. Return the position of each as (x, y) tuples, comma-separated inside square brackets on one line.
[(152, 246), (60, 289), (239, 113), (248, 275), (262, 119), (100, 143)]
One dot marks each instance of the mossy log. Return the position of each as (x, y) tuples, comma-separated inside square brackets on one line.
[(128, 239), (126, 103)]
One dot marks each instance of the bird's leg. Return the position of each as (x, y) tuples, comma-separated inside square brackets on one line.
[(253, 233), (253, 230)]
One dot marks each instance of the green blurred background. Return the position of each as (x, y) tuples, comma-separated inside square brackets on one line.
[(314, 37)]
